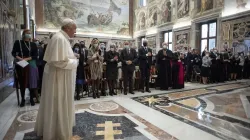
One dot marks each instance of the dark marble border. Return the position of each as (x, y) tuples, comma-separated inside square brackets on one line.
[(206, 88)]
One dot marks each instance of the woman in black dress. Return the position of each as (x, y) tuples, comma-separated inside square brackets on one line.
[(112, 59), (205, 68), (234, 66), (27, 77)]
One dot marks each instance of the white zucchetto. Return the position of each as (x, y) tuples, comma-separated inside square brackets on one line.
[(67, 21)]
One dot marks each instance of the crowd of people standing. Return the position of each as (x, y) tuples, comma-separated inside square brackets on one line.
[(172, 68)]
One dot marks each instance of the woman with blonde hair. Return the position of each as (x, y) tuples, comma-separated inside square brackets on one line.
[(95, 61)]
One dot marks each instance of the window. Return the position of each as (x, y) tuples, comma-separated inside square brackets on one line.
[(142, 3), (168, 36), (208, 35)]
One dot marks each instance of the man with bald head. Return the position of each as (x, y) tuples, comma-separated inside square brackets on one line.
[(56, 115), (145, 62)]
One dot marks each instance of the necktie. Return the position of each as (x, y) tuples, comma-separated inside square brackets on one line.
[(146, 49), (128, 51)]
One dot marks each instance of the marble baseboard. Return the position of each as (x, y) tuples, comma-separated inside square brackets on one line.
[(5, 91)]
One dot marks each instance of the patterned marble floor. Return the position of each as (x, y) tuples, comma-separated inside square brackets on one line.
[(207, 112)]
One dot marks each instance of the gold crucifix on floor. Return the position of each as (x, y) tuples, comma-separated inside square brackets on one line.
[(109, 132)]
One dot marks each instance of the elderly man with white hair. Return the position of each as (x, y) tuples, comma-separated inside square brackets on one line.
[(55, 117)]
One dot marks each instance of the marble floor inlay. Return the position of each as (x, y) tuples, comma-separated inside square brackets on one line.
[(197, 112), (188, 106)]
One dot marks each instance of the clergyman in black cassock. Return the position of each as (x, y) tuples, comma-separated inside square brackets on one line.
[(128, 58), (164, 58), (112, 59), (145, 62)]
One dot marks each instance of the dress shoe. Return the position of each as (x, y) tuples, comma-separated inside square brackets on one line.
[(98, 95), (142, 91), (132, 92), (94, 95), (111, 93), (22, 103), (32, 102), (125, 93), (148, 91), (78, 98)]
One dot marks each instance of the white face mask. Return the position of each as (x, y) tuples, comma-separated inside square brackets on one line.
[(126, 46), (248, 54), (95, 45), (207, 55), (164, 46), (112, 49)]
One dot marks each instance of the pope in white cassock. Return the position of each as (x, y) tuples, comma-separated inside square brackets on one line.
[(56, 115)]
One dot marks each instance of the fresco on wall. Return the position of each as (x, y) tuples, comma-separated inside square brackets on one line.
[(235, 6), (152, 20), (152, 41), (142, 21), (206, 5), (181, 41), (241, 30), (219, 3), (226, 31), (166, 11), (182, 8), (105, 16)]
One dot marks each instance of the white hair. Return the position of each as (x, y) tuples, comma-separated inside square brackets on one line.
[(144, 40), (67, 22)]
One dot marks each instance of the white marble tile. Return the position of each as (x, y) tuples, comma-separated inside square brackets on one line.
[(246, 104), (170, 125)]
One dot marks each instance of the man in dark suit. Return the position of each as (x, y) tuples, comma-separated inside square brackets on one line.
[(128, 58), (145, 62)]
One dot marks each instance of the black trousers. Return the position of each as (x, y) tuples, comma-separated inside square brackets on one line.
[(128, 79), (189, 71), (240, 73), (145, 73)]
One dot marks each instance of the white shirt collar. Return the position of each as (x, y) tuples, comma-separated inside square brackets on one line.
[(65, 34)]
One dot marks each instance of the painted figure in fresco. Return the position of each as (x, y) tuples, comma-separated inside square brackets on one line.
[(241, 3), (114, 8), (226, 29), (142, 22), (206, 5), (166, 12), (219, 3), (183, 8), (104, 19)]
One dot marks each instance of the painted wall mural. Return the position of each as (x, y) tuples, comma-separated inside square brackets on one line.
[(102, 16), (153, 16), (236, 35), (182, 40), (182, 8), (232, 7), (204, 5), (166, 11)]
